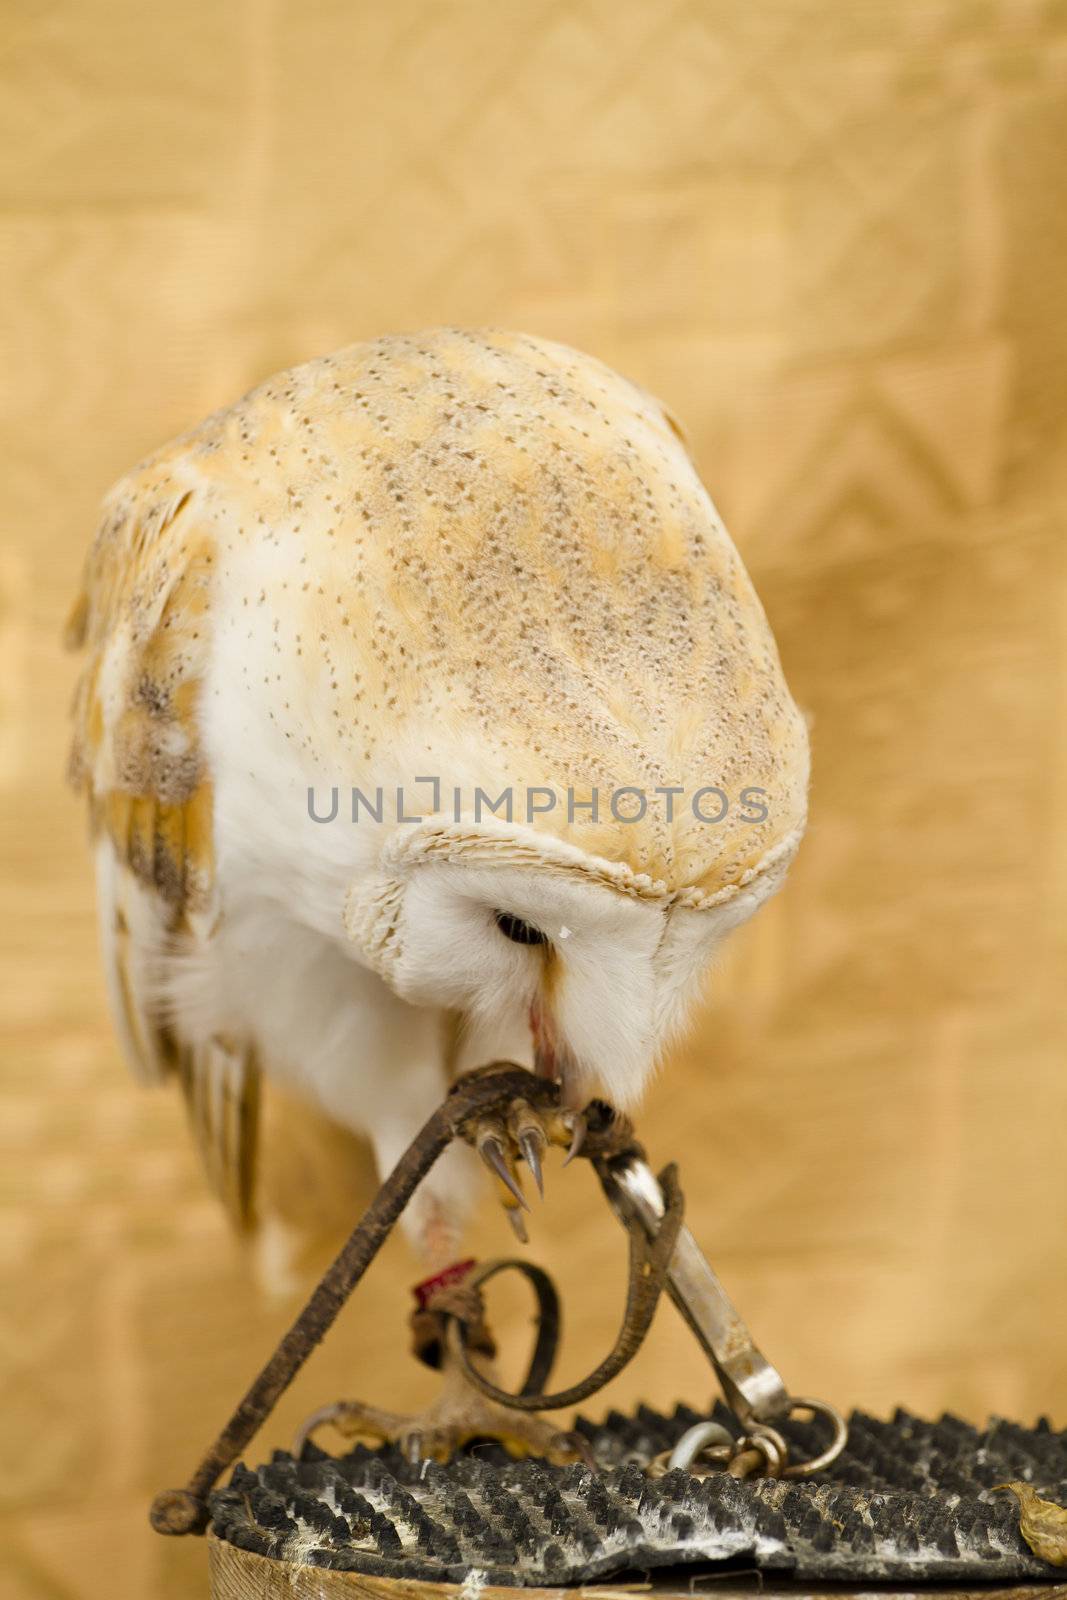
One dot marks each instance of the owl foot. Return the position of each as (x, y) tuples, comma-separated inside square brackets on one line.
[(459, 1416), (523, 1133)]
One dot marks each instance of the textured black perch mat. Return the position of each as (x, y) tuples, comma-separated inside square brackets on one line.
[(902, 1504)]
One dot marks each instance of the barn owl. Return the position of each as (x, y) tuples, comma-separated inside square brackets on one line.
[(422, 689)]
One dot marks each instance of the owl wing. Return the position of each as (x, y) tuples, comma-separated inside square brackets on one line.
[(143, 618)]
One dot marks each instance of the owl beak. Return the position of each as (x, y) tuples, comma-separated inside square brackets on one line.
[(543, 1034), (552, 1059)]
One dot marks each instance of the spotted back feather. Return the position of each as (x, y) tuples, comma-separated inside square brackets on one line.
[(489, 553)]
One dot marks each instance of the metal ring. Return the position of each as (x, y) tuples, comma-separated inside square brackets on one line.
[(807, 1469), (696, 1439), (770, 1445), (762, 1435)]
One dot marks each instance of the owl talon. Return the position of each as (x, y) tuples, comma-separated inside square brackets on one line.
[(352, 1420), (527, 1131), (518, 1225), (533, 1145), (533, 1151), (494, 1153), (577, 1139)]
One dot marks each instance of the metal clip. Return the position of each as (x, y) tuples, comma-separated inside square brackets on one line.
[(753, 1389)]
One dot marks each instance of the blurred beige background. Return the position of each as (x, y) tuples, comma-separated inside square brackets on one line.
[(833, 236)]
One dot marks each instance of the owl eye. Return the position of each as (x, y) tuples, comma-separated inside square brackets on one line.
[(517, 931)]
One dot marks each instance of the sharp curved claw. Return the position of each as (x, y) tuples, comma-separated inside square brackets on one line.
[(532, 1143), (577, 1139), (307, 1427), (518, 1226), (352, 1420), (491, 1150)]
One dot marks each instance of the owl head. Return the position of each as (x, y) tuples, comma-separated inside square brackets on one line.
[(530, 936)]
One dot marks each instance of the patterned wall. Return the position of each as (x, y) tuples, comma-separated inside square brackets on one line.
[(833, 237)]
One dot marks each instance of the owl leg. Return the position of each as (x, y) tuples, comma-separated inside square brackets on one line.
[(521, 1135), (461, 1414)]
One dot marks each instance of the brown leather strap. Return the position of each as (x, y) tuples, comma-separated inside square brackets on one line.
[(549, 1317), (647, 1275)]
